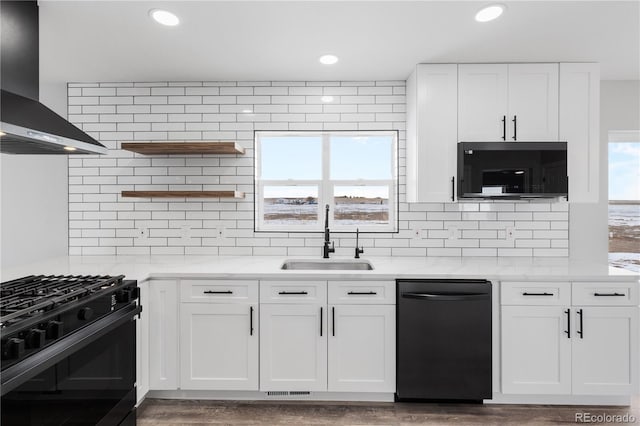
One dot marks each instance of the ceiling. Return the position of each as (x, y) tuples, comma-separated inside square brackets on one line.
[(375, 40)]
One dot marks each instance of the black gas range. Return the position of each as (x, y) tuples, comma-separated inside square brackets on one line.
[(68, 349)]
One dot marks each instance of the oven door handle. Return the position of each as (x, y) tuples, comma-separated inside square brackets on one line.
[(31, 366)]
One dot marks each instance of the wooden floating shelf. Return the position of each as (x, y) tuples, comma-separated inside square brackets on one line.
[(184, 148), (183, 194)]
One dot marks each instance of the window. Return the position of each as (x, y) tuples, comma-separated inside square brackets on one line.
[(298, 173), (624, 200)]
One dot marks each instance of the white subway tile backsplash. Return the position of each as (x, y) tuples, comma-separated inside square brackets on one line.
[(104, 223)]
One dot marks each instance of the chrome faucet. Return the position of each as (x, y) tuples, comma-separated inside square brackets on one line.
[(326, 249), (359, 250)]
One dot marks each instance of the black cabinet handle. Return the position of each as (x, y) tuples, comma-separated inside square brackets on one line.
[(251, 321), (320, 321), (453, 188), (218, 292), (609, 294), (568, 330), (537, 294), (515, 127), (504, 127), (361, 292), (333, 321), (293, 292), (580, 322)]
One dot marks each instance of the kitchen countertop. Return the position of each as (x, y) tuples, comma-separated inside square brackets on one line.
[(268, 267)]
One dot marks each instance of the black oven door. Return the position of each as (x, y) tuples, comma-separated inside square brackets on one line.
[(92, 384)]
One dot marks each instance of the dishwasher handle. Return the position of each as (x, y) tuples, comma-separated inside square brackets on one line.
[(446, 296)]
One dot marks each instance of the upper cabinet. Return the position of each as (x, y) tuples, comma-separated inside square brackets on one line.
[(451, 103), (432, 134), (580, 127), (507, 102)]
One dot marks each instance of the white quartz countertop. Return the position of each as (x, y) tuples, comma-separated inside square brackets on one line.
[(268, 267)]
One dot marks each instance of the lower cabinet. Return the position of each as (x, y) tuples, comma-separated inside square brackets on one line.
[(536, 352), (219, 335), (345, 345), (162, 308), (362, 348), (293, 347), (219, 346), (587, 349), (604, 360)]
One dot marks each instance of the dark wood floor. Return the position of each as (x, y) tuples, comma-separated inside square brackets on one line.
[(189, 412)]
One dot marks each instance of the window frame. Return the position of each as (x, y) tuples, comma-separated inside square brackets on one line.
[(326, 185)]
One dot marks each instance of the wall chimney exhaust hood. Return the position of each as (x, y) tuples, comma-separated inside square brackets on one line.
[(26, 125), (29, 127)]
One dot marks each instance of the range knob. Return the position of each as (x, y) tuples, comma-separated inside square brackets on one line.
[(13, 349), (54, 330), (35, 338), (85, 314)]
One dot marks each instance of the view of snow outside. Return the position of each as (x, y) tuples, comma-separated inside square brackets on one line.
[(624, 205), (352, 158)]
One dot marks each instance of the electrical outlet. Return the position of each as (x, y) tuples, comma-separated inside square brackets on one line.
[(143, 233), (219, 233), (510, 233), (416, 233), (454, 233)]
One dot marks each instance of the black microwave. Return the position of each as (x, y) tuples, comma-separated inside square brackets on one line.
[(512, 170)]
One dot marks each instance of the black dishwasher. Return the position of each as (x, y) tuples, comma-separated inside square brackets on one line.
[(443, 340)]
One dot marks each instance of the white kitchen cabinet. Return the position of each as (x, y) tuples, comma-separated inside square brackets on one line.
[(604, 358), (361, 355), (142, 343), (293, 347), (589, 346), (536, 352), (432, 134), (580, 127), (508, 102), (482, 102), (219, 346), (163, 335)]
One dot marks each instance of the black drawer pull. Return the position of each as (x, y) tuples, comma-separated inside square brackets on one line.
[(580, 332), (609, 294), (537, 294), (251, 321), (218, 292), (361, 292), (293, 292)]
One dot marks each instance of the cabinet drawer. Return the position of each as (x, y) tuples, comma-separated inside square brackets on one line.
[(604, 293), (293, 292), (219, 291), (535, 293), (362, 292)]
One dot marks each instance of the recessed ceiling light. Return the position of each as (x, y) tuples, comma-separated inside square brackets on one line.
[(164, 17), (328, 59), (70, 148), (489, 13), (2, 134), (327, 99)]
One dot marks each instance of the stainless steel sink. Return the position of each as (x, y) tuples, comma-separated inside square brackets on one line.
[(327, 265)]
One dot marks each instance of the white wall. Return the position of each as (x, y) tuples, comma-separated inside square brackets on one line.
[(619, 110), (34, 202)]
